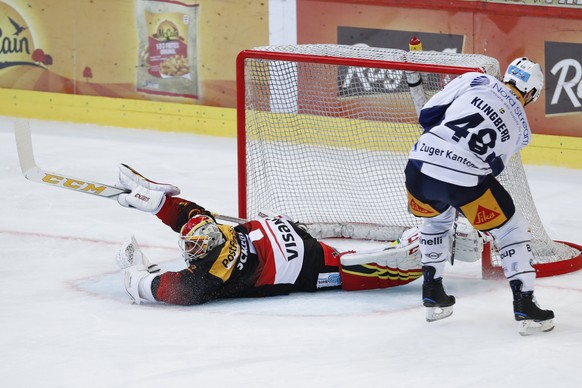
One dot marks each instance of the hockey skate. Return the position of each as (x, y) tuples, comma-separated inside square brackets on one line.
[(439, 305), (530, 317)]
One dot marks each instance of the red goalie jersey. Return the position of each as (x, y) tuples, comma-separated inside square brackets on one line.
[(271, 256)]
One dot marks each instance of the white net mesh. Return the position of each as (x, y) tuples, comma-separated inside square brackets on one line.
[(328, 129)]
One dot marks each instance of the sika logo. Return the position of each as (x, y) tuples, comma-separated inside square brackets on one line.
[(16, 45), (418, 209), (484, 216)]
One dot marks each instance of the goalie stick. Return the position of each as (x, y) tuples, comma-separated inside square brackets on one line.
[(33, 173)]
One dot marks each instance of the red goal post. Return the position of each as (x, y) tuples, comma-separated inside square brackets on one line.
[(324, 133)]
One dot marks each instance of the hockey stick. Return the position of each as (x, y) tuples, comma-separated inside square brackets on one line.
[(33, 173), (454, 243)]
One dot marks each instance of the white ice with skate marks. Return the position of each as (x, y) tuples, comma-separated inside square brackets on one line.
[(66, 317), (404, 299)]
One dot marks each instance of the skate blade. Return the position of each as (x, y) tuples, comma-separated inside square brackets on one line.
[(529, 326), (438, 313)]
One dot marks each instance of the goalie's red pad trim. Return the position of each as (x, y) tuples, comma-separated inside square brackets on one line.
[(372, 276)]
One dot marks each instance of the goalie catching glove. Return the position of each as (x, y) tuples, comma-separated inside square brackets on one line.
[(144, 194), (138, 272)]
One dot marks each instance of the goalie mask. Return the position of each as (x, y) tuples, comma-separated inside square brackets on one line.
[(525, 75), (199, 236)]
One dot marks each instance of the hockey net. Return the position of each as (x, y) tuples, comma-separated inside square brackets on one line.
[(324, 132)]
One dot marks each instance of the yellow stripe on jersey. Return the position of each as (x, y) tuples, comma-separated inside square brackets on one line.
[(228, 257)]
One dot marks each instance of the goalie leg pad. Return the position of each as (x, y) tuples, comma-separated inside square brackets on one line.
[(468, 241), (394, 265), (373, 276)]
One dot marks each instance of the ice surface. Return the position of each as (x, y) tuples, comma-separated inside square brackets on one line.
[(65, 320)]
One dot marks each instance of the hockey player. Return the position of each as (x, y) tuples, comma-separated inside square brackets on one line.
[(471, 129), (269, 256)]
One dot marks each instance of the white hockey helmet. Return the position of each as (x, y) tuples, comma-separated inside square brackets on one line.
[(199, 236), (525, 75)]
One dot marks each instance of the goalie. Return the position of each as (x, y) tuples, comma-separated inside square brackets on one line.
[(269, 256)]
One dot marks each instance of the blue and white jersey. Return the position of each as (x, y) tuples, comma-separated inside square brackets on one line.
[(471, 128)]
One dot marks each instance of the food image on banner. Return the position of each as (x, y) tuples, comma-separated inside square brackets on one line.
[(167, 62)]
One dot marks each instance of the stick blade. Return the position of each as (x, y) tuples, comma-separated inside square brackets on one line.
[(35, 174), (24, 147)]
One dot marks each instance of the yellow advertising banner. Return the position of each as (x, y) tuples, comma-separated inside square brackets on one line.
[(160, 50), (47, 47)]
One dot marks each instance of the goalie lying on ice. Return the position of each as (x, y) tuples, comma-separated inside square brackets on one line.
[(268, 256)]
